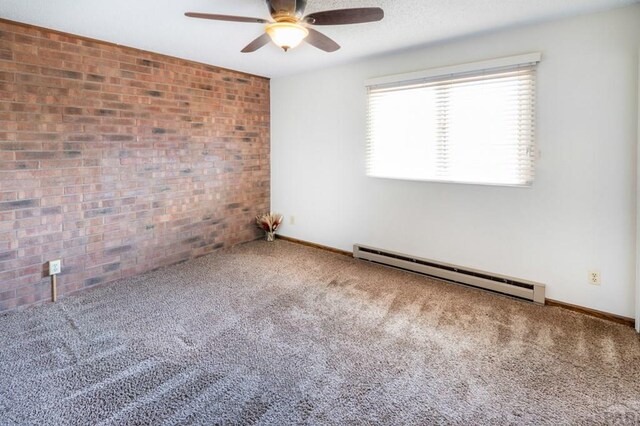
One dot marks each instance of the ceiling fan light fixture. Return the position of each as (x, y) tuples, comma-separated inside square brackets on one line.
[(287, 35)]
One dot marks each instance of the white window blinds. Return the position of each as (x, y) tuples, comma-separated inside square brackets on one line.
[(469, 126)]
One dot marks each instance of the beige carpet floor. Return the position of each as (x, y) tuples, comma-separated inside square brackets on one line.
[(278, 333)]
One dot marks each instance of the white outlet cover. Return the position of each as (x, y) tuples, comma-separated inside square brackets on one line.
[(55, 267), (594, 278)]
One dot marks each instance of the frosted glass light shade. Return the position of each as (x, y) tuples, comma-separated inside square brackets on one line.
[(287, 35)]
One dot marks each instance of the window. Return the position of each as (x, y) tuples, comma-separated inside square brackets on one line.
[(472, 123)]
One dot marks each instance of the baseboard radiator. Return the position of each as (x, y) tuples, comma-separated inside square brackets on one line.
[(516, 287)]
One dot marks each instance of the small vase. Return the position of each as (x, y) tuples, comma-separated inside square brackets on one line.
[(271, 236)]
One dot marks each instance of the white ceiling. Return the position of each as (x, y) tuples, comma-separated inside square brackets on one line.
[(160, 26)]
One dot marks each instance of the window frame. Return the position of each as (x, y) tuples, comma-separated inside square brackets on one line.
[(452, 72)]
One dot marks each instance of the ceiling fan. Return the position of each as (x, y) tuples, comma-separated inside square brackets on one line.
[(290, 27)]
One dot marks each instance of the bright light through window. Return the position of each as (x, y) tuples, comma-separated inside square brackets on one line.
[(472, 127)]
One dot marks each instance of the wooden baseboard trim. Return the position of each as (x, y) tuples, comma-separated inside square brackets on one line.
[(314, 245), (550, 302), (593, 312)]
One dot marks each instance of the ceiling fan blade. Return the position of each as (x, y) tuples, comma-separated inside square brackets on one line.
[(226, 18), (345, 16), (321, 41), (257, 43)]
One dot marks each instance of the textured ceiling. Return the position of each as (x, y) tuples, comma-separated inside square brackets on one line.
[(160, 26)]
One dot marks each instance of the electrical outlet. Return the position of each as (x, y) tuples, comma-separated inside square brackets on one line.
[(594, 277), (55, 267), (292, 220)]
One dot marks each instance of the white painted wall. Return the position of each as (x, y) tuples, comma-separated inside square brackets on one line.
[(638, 210), (578, 216)]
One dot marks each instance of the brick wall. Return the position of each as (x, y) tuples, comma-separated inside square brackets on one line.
[(119, 161)]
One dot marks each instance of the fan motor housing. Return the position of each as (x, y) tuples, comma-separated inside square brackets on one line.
[(281, 10)]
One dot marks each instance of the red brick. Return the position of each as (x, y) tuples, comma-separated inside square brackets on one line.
[(119, 161)]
